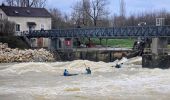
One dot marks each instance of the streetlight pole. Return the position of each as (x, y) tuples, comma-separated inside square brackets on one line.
[(141, 24)]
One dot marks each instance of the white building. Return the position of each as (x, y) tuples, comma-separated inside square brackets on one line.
[(26, 18)]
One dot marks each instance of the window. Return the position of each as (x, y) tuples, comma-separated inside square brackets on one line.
[(17, 27), (1, 27), (42, 27), (0, 15), (31, 28), (31, 25)]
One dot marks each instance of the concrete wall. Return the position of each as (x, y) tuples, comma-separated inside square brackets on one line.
[(159, 45), (22, 21), (155, 61)]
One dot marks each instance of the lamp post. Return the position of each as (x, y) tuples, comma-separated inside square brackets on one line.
[(141, 23)]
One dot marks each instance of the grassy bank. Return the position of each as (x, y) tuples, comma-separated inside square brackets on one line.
[(115, 42)]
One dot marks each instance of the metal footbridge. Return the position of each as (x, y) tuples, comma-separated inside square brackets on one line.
[(61, 42), (110, 32)]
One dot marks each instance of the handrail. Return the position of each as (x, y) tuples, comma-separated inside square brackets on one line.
[(107, 32)]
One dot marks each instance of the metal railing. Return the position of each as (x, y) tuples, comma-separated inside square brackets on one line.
[(107, 32), (23, 34)]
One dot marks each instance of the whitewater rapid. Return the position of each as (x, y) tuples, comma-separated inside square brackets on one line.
[(44, 81)]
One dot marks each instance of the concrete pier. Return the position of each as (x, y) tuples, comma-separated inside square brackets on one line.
[(159, 45), (158, 57), (155, 61)]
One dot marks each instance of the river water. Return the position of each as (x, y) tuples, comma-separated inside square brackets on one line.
[(44, 81)]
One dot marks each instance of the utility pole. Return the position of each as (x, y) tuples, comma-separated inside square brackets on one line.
[(122, 8), (122, 13)]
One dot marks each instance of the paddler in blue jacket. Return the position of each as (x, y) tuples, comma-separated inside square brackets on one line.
[(66, 73)]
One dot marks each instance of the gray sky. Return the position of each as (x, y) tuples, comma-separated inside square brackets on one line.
[(132, 6)]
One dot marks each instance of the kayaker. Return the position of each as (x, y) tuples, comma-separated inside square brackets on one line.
[(88, 70), (118, 66), (66, 73)]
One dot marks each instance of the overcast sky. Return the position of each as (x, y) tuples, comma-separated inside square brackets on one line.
[(132, 6)]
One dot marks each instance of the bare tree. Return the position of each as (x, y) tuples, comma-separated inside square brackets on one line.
[(79, 13), (86, 10), (148, 17), (7, 28), (90, 11), (98, 10), (27, 3), (11, 2), (37, 3), (59, 20)]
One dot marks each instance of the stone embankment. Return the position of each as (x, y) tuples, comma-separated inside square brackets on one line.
[(8, 55)]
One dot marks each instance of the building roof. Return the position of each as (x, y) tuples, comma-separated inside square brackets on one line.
[(25, 11)]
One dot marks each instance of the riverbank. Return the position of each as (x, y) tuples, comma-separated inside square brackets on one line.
[(8, 55)]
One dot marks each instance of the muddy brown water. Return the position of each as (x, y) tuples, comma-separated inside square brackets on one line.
[(44, 81)]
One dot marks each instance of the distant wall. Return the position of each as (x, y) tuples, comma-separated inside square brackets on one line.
[(107, 56)]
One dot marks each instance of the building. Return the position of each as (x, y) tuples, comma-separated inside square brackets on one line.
[(26, 19)]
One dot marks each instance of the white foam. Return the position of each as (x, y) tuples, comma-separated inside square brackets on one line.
[(29, 67), (58, 67)]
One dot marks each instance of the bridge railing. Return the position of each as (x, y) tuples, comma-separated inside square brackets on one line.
[(110, 32)]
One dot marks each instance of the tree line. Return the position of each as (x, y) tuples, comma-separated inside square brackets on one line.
[(93, 13), (26, 3), (6, 28)]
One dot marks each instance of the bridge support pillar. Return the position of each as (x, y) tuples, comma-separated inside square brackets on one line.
[(159, 45), (60, 43), (158, 58), (55, 44)]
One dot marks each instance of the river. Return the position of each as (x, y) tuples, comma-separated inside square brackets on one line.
[(44, 81)]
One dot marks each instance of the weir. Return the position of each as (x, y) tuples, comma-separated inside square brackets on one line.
[(62, 40), (93, 54)]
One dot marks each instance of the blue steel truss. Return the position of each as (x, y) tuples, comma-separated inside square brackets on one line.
[(114, 32)]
